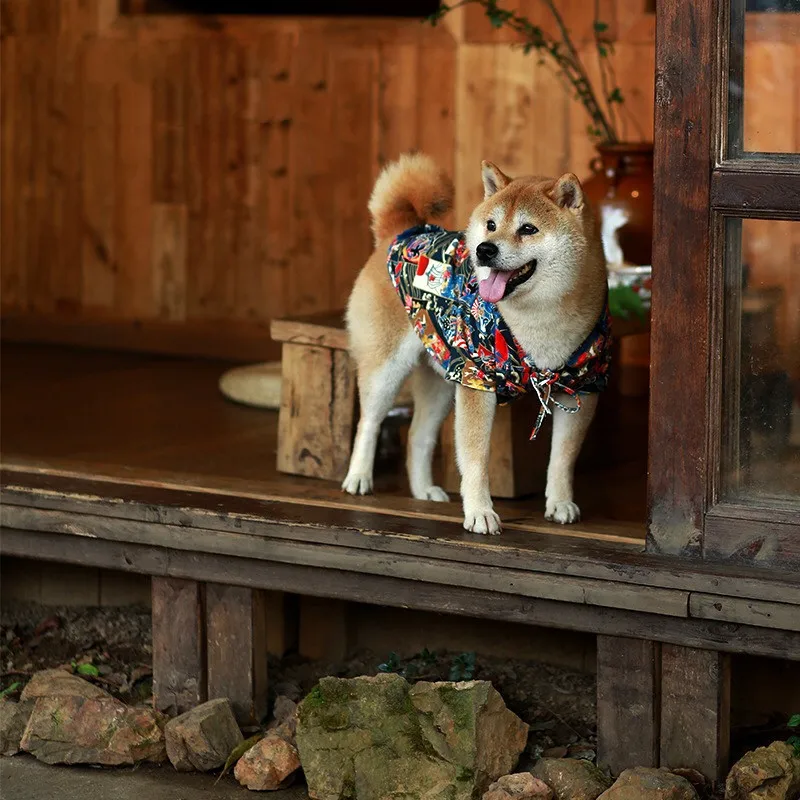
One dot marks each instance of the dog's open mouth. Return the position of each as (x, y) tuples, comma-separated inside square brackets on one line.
[(501, 283)]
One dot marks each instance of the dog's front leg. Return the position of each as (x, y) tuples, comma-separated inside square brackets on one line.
[(474, 418), (569, 431)]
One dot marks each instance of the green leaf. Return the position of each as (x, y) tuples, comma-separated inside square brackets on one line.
[(392, 664), (794, 741), (10, 689), (599, 26), (622, 300), (602, 50), (615, 96), (794, 721), (237, 753), (89, 670)]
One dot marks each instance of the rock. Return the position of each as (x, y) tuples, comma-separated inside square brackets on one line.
[(60, 683), (571, 778), (202, 738), (285, 717), (268, 764), (522, 786), (646, 783), (13, 719), (76, 730), (374, 737), (767, 773)]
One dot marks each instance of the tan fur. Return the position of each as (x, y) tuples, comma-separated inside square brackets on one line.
[(408, 192), (550, 315)]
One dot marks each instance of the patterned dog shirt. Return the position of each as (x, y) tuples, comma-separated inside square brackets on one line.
[(468, 337)]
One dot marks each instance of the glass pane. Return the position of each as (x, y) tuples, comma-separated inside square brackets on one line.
[(761, 363), (764, 91)]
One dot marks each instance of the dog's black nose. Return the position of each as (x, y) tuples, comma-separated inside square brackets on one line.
[(486, 252)]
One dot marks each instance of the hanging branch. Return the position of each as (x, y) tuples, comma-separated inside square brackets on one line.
[(562, 52)]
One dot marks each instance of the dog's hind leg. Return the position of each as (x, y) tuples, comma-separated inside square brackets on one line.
[(378, 386), (569, 431), (433, 399)]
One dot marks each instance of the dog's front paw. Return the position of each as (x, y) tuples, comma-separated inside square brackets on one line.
[(483, 521), (437, 494), (563, 512), (357, 484)]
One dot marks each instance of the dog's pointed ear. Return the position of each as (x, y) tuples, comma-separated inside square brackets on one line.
[(568, 192), (493, 179)]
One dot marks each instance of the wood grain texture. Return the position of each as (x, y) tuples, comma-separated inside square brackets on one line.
[(628, 703), (179, 677), (236, 649), (695, 709), (404, 594), (681, 321), (317, 415)]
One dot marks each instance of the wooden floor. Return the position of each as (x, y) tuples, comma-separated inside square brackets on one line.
[(163, 421)]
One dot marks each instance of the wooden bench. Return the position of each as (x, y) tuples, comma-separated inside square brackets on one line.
[(319, 402), (665, 627)]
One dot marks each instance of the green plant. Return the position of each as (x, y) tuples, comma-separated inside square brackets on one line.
[(794, 740), (463, 667), (10, 689), (601, 105), (87, 670), (623, 300)]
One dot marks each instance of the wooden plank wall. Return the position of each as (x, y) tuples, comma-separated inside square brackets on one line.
[(175, 183)]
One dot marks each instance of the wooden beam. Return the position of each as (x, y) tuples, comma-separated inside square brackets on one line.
[(695, 710), (628, 689), (236, 647), (179, 679), (389, 591), (681, 314), (325, 630), (234, 340)]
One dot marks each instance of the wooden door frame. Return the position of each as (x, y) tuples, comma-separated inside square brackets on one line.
[(697, 187)]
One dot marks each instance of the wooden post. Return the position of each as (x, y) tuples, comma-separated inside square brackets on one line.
[(627, 702), (315, 424), (325, 631), (695, 709), (236, 641), (178, 648)]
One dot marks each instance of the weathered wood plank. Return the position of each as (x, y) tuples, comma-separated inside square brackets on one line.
[(317, 415), (628, 702), (389, 591), (681, 333), (567, 589), (325, 629), (695, 709), (783, 616), (319, 521), (236, 649), (179, 680), (320, 330)]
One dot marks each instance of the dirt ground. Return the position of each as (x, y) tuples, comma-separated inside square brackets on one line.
[(115, 648)]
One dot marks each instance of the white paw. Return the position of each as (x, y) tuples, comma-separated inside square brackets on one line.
[(357, 484), (437, 494), (563, 512), (483, 521)]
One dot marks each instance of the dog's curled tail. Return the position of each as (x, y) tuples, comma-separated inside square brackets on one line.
[(409, 192)]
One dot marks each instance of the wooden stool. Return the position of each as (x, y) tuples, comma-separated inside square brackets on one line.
[(318, 409), (318, 396)]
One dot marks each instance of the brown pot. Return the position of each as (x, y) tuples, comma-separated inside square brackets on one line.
[(623, 178)]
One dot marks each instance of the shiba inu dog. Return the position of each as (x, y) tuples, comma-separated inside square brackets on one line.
[(515, 303)]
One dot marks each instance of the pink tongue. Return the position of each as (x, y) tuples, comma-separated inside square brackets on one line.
[(493, 288)]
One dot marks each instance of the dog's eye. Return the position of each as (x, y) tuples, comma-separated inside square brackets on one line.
[(490, 226), (527, 229)]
